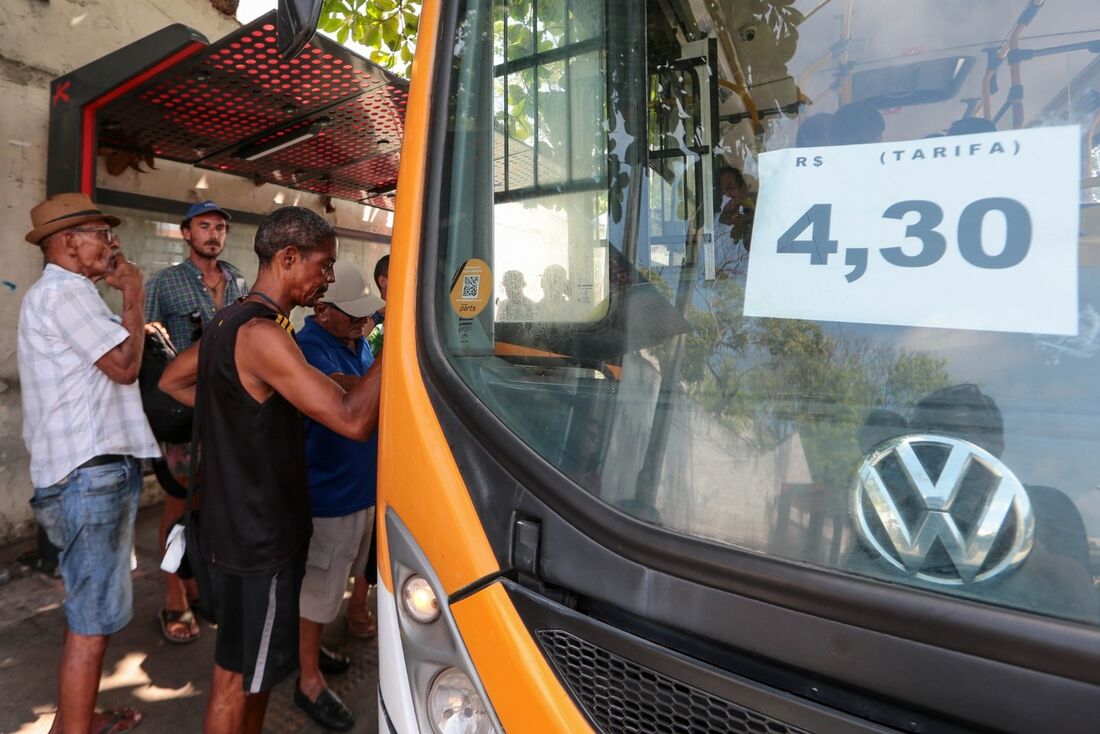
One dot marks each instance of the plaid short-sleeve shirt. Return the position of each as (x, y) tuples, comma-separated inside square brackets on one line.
[(175, 293), (72, 411)]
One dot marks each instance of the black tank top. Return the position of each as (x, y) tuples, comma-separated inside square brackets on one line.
[(253, 473)]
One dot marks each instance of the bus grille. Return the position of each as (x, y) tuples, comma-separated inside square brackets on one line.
[(618, 695)]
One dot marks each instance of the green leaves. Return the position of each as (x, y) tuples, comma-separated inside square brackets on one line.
[(330, 24), (387, 28)]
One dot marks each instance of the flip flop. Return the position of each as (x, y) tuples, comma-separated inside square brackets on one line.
[(363, 628), (168, 617), (122, 719)]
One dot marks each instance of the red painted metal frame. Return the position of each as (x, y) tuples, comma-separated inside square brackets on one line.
[(88, 147), (228, 107)]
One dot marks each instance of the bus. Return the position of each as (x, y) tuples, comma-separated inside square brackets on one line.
[(740, 369)]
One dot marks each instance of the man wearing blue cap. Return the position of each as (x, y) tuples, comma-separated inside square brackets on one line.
[(184, 298)]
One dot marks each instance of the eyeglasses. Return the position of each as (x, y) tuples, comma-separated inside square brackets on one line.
[(107, 233), (356, 319)]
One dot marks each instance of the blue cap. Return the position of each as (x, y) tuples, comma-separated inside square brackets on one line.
[(204, 207)]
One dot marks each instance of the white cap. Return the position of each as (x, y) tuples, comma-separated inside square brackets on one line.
[(352, 293)]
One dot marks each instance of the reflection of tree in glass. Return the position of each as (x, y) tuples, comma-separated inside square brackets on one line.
[(530, 98), (763, 37), (778, 16), (769, 378), (518, 35)]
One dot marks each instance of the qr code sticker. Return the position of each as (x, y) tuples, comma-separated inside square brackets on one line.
[(471, 286)]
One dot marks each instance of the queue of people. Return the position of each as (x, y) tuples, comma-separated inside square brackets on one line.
[(286, 430)]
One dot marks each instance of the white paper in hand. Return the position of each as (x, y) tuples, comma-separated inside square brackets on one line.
[(174, 549)]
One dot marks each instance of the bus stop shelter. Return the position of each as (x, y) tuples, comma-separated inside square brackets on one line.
[(325, 122)]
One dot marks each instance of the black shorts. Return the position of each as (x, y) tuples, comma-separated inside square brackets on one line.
[(257, 618)]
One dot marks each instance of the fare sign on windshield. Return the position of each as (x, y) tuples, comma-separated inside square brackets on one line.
[(961, 232)]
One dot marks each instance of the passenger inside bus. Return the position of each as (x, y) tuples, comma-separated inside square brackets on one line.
[(815, 130), (515, 306), (856, 123), (557, 302), (733, 226)]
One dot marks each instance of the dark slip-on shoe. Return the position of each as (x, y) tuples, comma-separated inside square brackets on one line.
[(328, 710), (331, 663)]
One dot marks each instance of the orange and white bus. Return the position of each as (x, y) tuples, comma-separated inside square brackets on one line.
[(808, 447)]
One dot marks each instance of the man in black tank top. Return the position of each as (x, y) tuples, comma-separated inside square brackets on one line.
[(251, 386)]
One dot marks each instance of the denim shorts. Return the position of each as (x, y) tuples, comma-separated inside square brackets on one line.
[(90, 515)]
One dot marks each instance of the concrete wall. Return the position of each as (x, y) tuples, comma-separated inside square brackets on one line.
[(42, 40)]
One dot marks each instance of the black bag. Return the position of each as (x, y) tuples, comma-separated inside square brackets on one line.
[(169, 418)]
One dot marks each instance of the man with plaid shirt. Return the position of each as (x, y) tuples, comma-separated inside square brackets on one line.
[(184, 298)]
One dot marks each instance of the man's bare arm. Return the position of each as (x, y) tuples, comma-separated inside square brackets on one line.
[(346, 382), (181, 375), (123, 363), (268, 355)]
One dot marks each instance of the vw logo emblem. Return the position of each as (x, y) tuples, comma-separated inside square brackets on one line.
[(975, 507)]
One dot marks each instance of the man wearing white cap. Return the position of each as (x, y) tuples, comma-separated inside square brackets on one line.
[(342, 484)]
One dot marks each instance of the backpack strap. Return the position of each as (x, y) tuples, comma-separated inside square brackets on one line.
[(192, 470)]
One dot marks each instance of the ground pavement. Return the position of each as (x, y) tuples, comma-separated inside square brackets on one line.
[(168, 683)]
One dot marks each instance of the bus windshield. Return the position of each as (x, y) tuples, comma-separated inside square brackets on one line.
[(817, 280)]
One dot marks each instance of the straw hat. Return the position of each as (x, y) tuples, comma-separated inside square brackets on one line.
[(62, 211)]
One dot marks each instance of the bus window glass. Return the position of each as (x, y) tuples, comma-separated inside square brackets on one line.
[(815, 280)]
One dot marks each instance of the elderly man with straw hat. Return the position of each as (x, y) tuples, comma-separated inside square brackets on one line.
[(86, 432)]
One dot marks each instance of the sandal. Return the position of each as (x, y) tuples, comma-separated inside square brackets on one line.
[(121, 719), (362, 627), (168, 617)]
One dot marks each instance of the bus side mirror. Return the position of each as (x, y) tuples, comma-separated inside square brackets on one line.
[(295, 23)]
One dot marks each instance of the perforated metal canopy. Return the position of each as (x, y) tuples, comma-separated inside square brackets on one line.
[(326, 122)]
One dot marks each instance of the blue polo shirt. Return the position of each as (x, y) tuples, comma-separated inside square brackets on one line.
[(343, 474)]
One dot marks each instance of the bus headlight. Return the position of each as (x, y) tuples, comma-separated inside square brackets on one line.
[(442, 688), (455, 706), (419, 600)]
